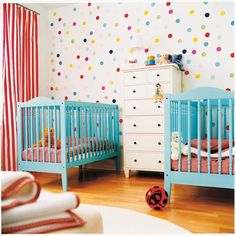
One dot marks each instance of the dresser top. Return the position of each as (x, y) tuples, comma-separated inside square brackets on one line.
[(151, 67)]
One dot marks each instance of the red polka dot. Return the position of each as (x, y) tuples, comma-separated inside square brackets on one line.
[(170, 11), (121, 120), (146, 50), (59, 19), (228, 89), (97, 17), (74, 23), (170, 36), (207, 35), (168, 4), (129, 27), (118, 69), (126, 15), (78, 56), (232, 54), (66, 98), (186, 72), (81, 76), (51, 88), (59, 73), (194, 51), (59, 32), (89, 4), (86, 58), (103, 87)]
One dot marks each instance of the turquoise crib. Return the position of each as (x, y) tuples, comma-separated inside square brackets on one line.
[(54, 135), (204, 120)]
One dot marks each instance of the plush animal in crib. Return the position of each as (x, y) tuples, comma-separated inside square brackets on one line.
[(175, 146)]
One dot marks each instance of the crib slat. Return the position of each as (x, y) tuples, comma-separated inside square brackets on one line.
[(180, 136), (31, 132), (93, 130), (73, 133), (189, 137), (68, 133), (37, 133), (96, 131), (110, 129), (19, 134), (77, 133), (49, 134), (208, 136), (55, 134), (224, 125), (81, 127), (199, 135), (219, 136), (85, 133), (230, 136), (26, 131), (88, 132), (100, 131), (43, 140)]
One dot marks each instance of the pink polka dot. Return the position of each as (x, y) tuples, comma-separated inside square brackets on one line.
[(59, 19), (168, 4), (146, 50), (194, 51), (218, 49), (170, 11), (170, 36), (59, 32), (86, 58), (74, 23), (126, 15), (103, 87), (207, 35), (228, 89), (78, 56), (129, 27), (89, 4), (59, 73), (118, 69)]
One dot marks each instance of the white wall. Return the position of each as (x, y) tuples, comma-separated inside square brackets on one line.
[(43, 47)]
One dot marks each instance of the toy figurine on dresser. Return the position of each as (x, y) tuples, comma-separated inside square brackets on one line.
[(159, 94)]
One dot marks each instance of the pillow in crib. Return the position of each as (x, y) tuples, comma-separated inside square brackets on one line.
[(214, 144)]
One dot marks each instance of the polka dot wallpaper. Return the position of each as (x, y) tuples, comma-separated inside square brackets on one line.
[(90, 44)]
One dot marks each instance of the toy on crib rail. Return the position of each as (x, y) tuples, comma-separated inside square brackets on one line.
[(159, 95), (156, 198), (175, 146), (44, 142)]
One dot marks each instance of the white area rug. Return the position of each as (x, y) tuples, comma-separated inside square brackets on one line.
[(119, 220)]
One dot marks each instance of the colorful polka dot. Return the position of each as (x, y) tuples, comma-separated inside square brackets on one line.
[(218, 49), (177, 21), (222, 13), (126, 15), (231, 75), (205, 44), (184, 51), (129, 27), (217, 64), (232, 54), (194, 51), (189, 29), (146, 13), (207, 14), (191, 12), (171, 11), (204, 54), (170, 36), (157, 40), (195, 39), (168, 4), (146, 50), (197, 76)]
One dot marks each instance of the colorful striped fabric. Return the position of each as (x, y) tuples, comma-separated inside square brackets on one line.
[(20, 73)]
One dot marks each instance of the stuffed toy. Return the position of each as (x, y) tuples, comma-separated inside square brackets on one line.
[(175, 146), (164, 59), (177, 59)]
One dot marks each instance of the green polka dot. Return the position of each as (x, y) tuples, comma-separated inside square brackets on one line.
[(204, 54), (158, 17), (203, 27), (231, 75), (179, 40), (212, 77)]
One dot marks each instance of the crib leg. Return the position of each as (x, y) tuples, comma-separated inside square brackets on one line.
[(168, 189), (64, 180)]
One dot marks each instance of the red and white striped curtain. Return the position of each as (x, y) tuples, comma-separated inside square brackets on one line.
[(20, 74)]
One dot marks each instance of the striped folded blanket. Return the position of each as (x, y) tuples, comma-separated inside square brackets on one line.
[(23, 212)]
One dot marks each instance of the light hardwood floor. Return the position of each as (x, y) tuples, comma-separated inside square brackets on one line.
[(197, 209)]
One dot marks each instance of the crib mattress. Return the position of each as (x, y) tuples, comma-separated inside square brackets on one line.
[(204, 164), (45, 154)]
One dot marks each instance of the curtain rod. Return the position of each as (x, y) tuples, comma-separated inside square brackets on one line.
[(27, 8)]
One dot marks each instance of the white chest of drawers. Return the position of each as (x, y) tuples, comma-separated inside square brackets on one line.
[(143, 118)]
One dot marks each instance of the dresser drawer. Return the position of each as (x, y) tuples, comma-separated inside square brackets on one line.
[(136, 77), (144, 124), (145, 161), (144, 142), (145, 91), (143, 107), (159, 75)]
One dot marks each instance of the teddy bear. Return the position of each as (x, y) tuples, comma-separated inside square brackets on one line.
[(164, 59), (175, 146)]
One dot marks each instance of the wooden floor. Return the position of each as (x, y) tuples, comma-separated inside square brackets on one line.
[(197, 209)]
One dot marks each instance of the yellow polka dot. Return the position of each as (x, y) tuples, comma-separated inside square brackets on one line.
[(84, 23), (157, 40), (179, 40), (222, 13), (203, 27), (197, 76), (52, 61), (70, 65), (195, 39), (111, 82), (138, 30), (67, 32), (116, 24), (146, 13), (191, 11), (78, 100), (106, 97), (90, 68), (131, 51), (54, 13), (98, 7), (56, 88), (158, 17), (117, 40), (93, 41), (204, 54), (182, 86)]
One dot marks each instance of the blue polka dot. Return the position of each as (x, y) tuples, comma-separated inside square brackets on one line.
[(104, 25), (110, 51), (74, 9), (113, 100), (189, 29), (60, 62), (217, 64), (101, 63), (61, 40), (148, 23), (131, 37), (205, 44), (114, 59), (184, 51), (232, 22), (207, 14), (153, 4), (177, 21), (205, 3), (188, 61), (84, 40), (91, 32), (138, 19), (52, 98), (87, 49), (94, 77), (74, 93)]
